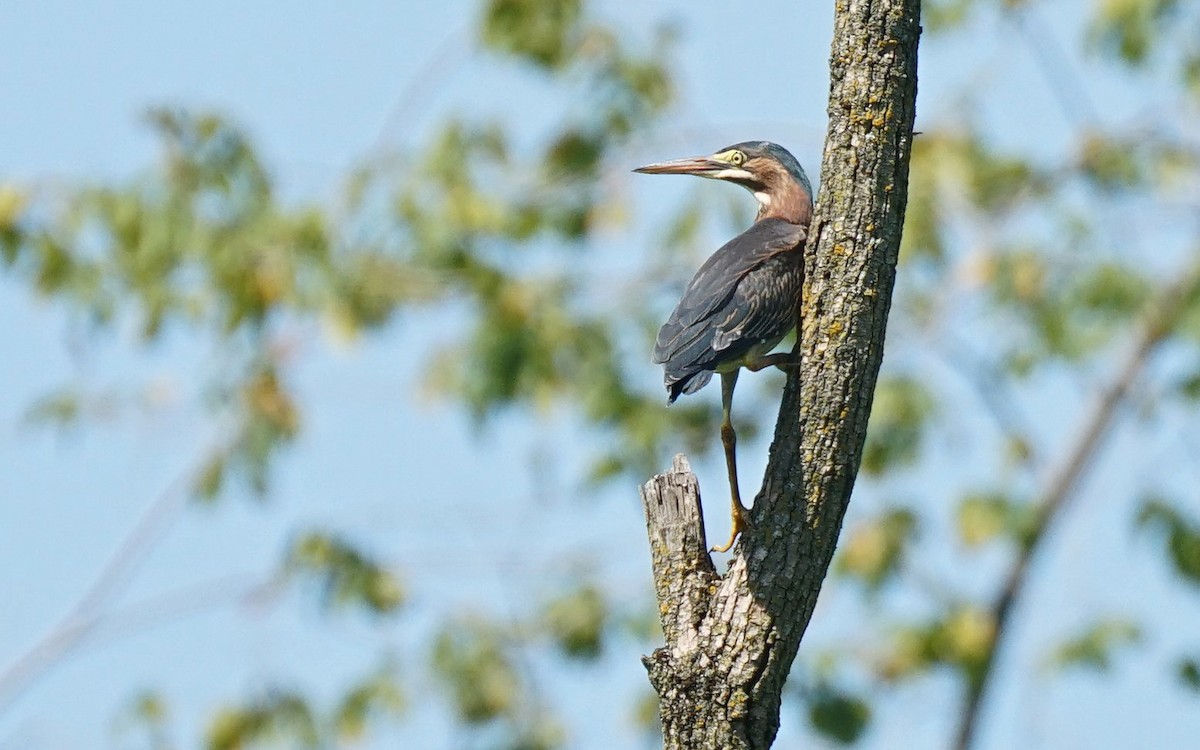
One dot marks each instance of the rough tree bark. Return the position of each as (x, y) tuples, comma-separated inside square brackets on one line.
[(730, 641)]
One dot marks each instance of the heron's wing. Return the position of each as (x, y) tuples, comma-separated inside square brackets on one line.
[(718, 277), (718, 320), (762, 308)]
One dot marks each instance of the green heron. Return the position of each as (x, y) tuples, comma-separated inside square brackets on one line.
[(745, 297)]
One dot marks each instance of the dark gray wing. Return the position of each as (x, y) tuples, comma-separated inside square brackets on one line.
[(743, 296), (763, 307)]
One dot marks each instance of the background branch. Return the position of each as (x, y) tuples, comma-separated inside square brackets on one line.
[(88, 612), (79, 630), (1062, 483)]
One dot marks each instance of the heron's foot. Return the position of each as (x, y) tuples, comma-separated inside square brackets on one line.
[(782, 360), (741, 522)]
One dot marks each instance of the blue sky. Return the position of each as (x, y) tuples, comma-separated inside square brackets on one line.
[(320, 90)]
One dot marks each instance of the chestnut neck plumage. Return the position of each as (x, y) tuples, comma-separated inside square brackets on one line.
[(782, 194), (789, 201)]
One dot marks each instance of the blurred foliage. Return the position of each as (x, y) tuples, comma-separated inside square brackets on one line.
[(839, 716), (484, 665), (901, 410), (873, 551), (470, 657), (1024, 266), (346, 577), (1188, 671), (202, 247), (1128, 29), (983, 517), (284, 718), (576, 622), (942, 15), (379, 695), (961, 639), (278, 718), (203, 244), (1182, 534), (147, 716), (1094, 647), (541, 31)]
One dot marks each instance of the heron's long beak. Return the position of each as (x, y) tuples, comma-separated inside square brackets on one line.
[(702, 166)]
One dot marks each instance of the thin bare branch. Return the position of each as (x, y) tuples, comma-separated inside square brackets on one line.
[(1061, 76), (1062, 483), (445, 60), (114, 576), (88, 629)]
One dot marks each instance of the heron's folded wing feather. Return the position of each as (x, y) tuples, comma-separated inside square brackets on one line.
[(715, 283), (762, 308)]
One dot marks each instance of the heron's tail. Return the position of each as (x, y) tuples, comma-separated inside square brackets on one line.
[(689, 383)]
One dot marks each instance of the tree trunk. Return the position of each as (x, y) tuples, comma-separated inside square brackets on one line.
[(730, 641)]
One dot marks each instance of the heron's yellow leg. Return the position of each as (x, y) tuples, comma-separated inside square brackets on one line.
[(741, 519)]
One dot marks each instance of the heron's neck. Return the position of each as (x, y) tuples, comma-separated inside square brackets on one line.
[(791, 203)]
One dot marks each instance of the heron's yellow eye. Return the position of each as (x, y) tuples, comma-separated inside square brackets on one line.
[(737, 158)]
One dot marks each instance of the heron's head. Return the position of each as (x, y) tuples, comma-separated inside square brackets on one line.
[(766, 169)]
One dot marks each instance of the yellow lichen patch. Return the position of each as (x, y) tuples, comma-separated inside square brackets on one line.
[(737, 703)]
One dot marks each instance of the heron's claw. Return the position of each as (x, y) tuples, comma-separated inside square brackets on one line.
[(741, 522)]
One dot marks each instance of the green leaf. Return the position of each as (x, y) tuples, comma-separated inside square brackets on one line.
[(60, 409), (1189, 74), (841, 717), (899, 415), (574, 155), (962, 638), (1188, 672), (1110, 163), (280, 717), (874, 549), (210, 479), (942, 16), (12, 232), (577, 621), (146, 715), (471, 661), (1093, 648), (542, 733), (986, 515), (541, 31), (345, 575), (1182, 533), (1189, 387), (1114, 290), (378, 695), (1128, 30)]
